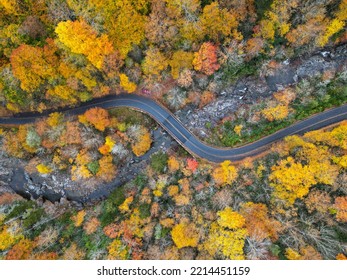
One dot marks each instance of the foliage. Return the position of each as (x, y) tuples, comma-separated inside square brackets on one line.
[(98, 117), (225, 174), (142, 142), (6, 239), (205, 60), (278, 112), (43, 169), (173, 164), (230, 219), (79, 218), (126, 84), (82, 39), (340, 206), (217, 23), (258, 223), (180, 60), (21, 250), (154, 63), (227, 237), (33, 65), (185, 235)]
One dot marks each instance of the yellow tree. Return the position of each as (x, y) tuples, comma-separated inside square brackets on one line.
[(224, 174), (173, 164), (218, 23), (142, 142), (127, 85), (180, 60), (124, 21), (185, 235), (107, 170), (12, 7), (154, 63), (32, 66), (98, 117), (291, 180), (227, 235), (278, 112), (81, 38), (277, 19), (333, 27)]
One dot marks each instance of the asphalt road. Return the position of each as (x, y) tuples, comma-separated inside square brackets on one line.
[(182, 135)]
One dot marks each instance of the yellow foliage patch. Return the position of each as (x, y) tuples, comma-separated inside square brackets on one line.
[(230, 219), (43, 169), (126, 84), (185, 235)]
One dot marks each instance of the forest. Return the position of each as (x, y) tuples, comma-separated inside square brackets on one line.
[(287, 203)]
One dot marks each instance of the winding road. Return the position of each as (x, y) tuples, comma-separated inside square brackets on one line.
[(182, 135)]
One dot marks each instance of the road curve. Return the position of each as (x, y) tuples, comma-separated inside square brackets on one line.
[(179, 132)]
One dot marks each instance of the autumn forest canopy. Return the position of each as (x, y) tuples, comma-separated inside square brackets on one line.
[(154, 199), (64, 52)]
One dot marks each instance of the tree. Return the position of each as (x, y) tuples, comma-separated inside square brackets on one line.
[(192, 164), (107, 170), (227, 218), (80, 170), (91, 226), (306, 33), (12, 7), (7, 239), (185, 235), (55, 119), (141, 140), (276, 20), (291, 180), (79, 218), (258, 223), (159, 162), (126, 84), (173, 164), (98, 117), (20, 251), (81, 38), (63, 92), (124, 21), (227, 237), (205, 60), (225, 174), (108, 146), (33, 27), (278, 112), (154, 63), (117, 250), (340, 206), (33, 65), (318, 201), (73, 253), (43, 169), (334, 26), (218, 23), (254, 46), (161, 30), (180, 60)]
